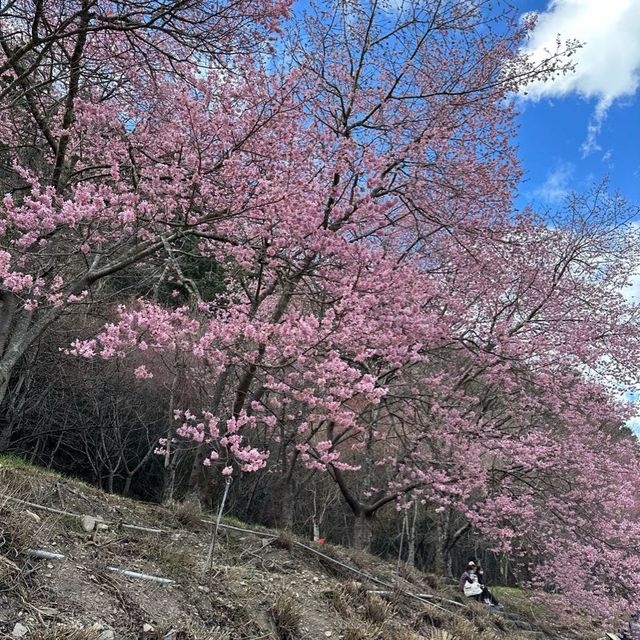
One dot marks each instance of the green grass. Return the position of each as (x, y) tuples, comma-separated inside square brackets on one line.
[(544, 617), (16, 463), (511, 592), (10, 462), (520, 601)]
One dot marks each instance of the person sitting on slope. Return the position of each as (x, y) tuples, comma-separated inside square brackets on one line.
[(469, 584), (487, 596)]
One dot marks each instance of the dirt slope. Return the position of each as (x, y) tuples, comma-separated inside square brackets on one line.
[(260, 587)]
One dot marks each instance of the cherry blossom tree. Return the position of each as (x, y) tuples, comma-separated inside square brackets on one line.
[(95, 105), (378, 172), (380, 313)]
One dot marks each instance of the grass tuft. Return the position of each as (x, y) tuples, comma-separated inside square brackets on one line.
[(188, 514), (363, 631), (285, 540), (286, 614)]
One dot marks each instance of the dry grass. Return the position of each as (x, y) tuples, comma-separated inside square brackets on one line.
[(441, 634), (364, 631), (362, 559), (19, 533), (438, 583), (406, 634), (476, 622), (375, 609), (434, 618), (190, 632), (285, 540), (286, 614), (12, 578), (351, 597), (78, 632), (463, 630), (228, 602), (188, 514), (64, 632), (367, 614), (177, 562), (339, 598), (546, 618)]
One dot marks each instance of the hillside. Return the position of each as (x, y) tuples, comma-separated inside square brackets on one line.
[(263, 585)]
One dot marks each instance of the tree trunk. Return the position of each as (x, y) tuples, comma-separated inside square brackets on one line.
[(197, 475), (5, 434), (8, 304), (411, 549), (287, 504), (35, 452), (18, 331), (52, 454), (168, 483), (362, 531), (442, 561), (127, 486), (7, 431)]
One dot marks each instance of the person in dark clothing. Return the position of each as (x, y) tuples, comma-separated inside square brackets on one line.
[(469, 584), (487, 596)]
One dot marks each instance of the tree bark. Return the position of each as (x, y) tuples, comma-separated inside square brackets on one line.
[(362, 531), (287, 503), (411, 549), (110, 478), (168, 483), (364, 513), (127, 486), (446, 541), (443, 560), (7, 313)]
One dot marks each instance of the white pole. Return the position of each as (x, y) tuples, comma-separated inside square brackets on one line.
[(214, 532), (141, 576), (45, 555)]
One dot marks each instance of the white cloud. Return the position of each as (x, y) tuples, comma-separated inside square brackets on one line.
[(608, 63), (556, 186), (590, 145), (632, 291)]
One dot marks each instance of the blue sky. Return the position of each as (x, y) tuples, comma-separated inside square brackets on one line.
[(585, 126)]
